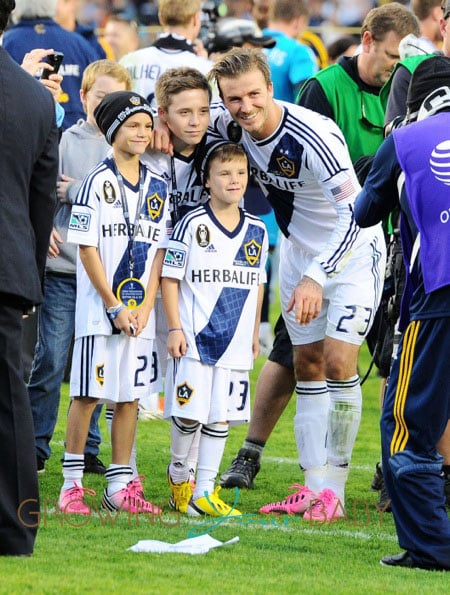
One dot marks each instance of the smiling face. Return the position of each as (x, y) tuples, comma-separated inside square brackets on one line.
[(226, 180), (187, 117), (134, 135), (249, 99)]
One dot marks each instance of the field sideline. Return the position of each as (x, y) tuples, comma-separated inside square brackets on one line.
[(274, 554)]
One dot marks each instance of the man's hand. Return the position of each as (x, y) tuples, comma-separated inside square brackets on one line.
[(61, 187), (306, 301)]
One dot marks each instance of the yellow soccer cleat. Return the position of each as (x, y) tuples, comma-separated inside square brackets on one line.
[(212, 505)]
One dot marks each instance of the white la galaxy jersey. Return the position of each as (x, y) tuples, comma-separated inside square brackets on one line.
[(186, 191), (305, 170), (147, 65), (220, 273), (97, 219)]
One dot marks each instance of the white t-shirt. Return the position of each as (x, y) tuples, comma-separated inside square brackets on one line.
[(220, 273), (98, 220)]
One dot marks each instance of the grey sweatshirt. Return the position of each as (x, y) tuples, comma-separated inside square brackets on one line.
[(81, 148)]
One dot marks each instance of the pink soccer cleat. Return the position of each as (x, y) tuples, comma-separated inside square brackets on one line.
[(71, 501), (295, 503), (131, 499), (325, 508)]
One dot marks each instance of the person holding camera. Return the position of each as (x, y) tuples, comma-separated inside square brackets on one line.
[(28, 172)]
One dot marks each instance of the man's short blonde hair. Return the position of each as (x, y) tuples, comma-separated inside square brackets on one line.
[(175, 13)]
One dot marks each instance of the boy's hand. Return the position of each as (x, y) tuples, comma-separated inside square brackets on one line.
[(176, 343), (124, 321)]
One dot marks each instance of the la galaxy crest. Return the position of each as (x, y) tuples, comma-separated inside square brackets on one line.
[(286, 165), (252, 251), (184, 393), (109, 194), (155, 206), (202, 235), (100, 374)]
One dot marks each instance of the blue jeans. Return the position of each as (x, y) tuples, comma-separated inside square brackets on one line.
[(56, 325)]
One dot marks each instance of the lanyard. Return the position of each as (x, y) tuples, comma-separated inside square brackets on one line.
[(126, 213), (175, 201)]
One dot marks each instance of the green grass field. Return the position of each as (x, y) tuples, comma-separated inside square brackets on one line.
[(274, 554)]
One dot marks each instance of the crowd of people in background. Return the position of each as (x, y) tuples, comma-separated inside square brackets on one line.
[(204, 145)]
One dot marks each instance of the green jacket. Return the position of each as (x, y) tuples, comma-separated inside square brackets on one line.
[(358, 114), (410, 64)]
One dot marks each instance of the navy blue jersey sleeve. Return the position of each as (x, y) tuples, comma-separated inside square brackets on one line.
[(379, 195)]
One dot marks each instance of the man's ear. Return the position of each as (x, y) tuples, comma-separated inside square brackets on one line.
[(366, 41)]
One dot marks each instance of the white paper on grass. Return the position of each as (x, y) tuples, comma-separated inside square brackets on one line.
[(194, 545)]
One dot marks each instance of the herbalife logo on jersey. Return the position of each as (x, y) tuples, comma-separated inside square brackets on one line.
[(184, 393)]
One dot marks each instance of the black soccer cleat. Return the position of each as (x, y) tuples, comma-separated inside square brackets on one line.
[(242, 471)]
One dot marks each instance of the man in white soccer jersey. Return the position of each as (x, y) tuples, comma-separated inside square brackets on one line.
[(181, 20), (330, 274), (119, 220), (212, 287)]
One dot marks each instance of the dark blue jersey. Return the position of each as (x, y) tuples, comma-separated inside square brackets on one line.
[(78, 53)]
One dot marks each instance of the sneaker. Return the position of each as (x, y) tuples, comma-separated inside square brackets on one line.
[(212, 505), (377, 480), (40, 462), (71, 501), (130, 499), (325, 508), (295, 503), (92, 464), (243, 470), (181, 494), (192, 478)]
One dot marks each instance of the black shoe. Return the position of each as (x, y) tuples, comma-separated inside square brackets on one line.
[(404, 560), (377, 480), (40, 464), (384, 502), (243, 470), (93, 464)]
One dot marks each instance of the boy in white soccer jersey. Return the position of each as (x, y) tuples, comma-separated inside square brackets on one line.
[(212, 286), (119, 221)]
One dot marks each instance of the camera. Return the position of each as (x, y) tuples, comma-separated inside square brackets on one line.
[(54, 60), (211, 12)]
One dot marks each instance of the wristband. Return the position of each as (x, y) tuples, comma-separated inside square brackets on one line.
[(171, 330), (113, 311)]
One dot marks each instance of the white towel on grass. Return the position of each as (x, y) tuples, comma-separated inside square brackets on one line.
[(195, 545)]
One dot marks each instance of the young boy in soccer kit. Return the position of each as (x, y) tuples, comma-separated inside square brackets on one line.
[(119, 221), (212, 287)]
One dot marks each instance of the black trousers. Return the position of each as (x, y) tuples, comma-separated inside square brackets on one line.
[(19, 487)]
